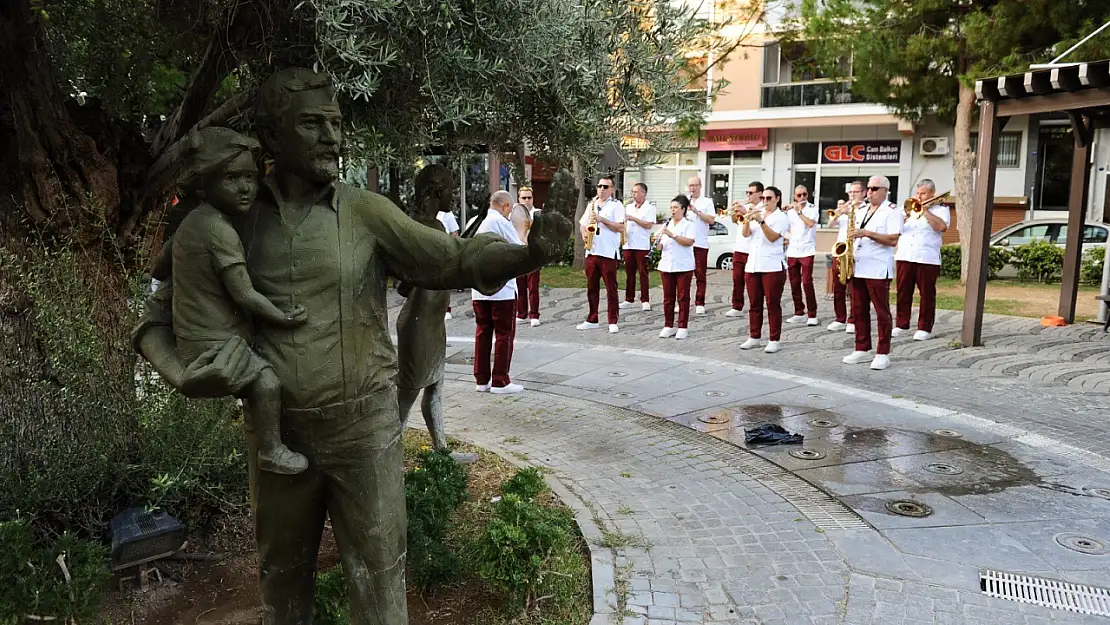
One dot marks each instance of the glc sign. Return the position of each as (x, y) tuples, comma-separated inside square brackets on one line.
[(861, 152)]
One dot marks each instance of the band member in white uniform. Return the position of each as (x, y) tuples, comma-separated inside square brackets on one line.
[(918, 262), (841, 299), (741, 247), (799, 256), (451, 225), (601, 261), (766, 269), (528, 286), (702, 213), (640, 216), (676, 267), (878, 227)]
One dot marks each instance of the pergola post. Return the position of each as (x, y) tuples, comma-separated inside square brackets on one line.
[(982, 211), (1082, 130), (494, 172)]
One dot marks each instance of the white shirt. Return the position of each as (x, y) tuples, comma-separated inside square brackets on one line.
[(874, 260), (768, 256), (607, 242), (450, 224), (803, 240), (743, 244), (496, 223), (919, 243), (701, 228), (638, 237), (677, 257), (842, 224)]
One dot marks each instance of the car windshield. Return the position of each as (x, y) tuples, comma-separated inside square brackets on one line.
[(1028, 234)]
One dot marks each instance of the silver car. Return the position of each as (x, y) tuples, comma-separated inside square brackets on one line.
[(1053, 230)]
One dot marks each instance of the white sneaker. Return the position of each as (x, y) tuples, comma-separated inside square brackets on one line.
[(750, 343), (796, 319), (922, 335), (699, 310), (882, 361), (646, 307), (666, 333), (626, 305), (836, 326), (735, 312), (772, 347), (613, 329), (447, 316), (676, 307), (856, 357), (682, 333), (898, 331), (812, 321), (508, 389), (587, 325), (850, 328), (481, 388), (534, 323)]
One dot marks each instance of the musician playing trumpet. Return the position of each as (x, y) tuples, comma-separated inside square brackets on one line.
[(856, 195), (918, 260), (742, 246), (800, 251)]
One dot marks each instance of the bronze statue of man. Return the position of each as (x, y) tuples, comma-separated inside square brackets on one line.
[(312, 241)]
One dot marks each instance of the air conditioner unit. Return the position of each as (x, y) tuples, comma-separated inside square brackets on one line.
[(934, 146)]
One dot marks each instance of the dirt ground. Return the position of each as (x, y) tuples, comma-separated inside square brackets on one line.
[(1024, 300)]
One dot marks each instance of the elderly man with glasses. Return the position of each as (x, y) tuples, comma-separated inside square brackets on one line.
[(802, 247), (528, 286), (601, 259)]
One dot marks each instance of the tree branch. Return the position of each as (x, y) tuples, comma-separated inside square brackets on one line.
[(202, 86)]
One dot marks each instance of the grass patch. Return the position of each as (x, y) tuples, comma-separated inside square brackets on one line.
[(561, 277), (1013, 297), (617, 540)]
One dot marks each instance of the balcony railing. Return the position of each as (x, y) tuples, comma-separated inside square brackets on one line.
[(810, 94)]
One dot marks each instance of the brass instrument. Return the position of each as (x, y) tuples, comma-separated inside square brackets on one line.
[(916, 207), (737, 219), (832, 214), (591, 227), (845, 251)]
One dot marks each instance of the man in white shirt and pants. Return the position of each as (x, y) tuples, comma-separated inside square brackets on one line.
[(742, 246), (528, 286), (494, 314), (451, 225), (640, 216), (841, 298), (878, 227), (803, 216), (601, 260), (918, 263), (702, 213)]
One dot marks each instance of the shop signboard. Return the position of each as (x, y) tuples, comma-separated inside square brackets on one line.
[(739, 139), (869, 152)]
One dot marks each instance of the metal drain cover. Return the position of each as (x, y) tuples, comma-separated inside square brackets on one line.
[(623, 395), (1049, 593), (947, 433), (908, 507), (941, 468), (816, 396), (823, 423), (1082, 544), (714, 418), (617, 374), (807, 454), (703, 372), (715, 394), (1102, 493)]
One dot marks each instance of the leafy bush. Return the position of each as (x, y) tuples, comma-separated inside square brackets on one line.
[(433, 491), (1091, 271), (1039, 260), (950, 258), (526, 484), (331, 598), (568, 253)]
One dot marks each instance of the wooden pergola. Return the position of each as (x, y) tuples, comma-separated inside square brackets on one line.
[(1082, 90)]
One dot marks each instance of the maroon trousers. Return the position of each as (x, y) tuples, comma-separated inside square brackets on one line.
[(800, 271), (598, 269), (676, 285), (739, 259), (494, 318), (865, 293), (840, 295), (636, 263), (924, 277), (701, 263), (528, 296), (771, 285)]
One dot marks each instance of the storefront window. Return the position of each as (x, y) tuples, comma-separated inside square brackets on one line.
[(806, 153)]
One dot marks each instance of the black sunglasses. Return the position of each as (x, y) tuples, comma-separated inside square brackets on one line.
[(526, 197), (874, 188), (603, 186), (801, 194), (768, 197)]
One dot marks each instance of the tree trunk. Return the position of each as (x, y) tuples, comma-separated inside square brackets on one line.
[(579, 244), (964, 167)]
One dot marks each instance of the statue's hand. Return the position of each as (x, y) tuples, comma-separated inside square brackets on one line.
[(548, 237), (218, 372)]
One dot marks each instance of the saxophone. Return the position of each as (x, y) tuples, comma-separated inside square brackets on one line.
[(845, 251), (591, 227)]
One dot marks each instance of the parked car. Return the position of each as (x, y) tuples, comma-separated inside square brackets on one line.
[(1053, 230)]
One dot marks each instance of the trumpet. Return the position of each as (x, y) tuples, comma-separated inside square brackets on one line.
[(916, 207), (736, 219), (831, 213)]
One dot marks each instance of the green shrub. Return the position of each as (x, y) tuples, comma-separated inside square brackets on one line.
[(654, 257), (950, 258), (526, 484), (1039, 260), (331, 598), (568, 253), (1091, 271), (433, 491)]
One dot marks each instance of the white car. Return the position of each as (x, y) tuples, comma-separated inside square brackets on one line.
[(1054, 230)]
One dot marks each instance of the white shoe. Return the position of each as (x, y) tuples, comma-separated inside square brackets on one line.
[(750, 343), (613, 329), (772, 347), (856, 357), (812, 321), (922, 335), (626, 305), (850, 328), (836, 326), (882, 361), (446, 316), (534, 323), (699, 310), (735, 312), (508, 389), (682, 333), (481, 388), (586, 325), (898, 331), (646, 307), (796, 319), (666, 333), (676, 307)]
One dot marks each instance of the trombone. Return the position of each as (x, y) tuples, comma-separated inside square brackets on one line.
[(916, 207)]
